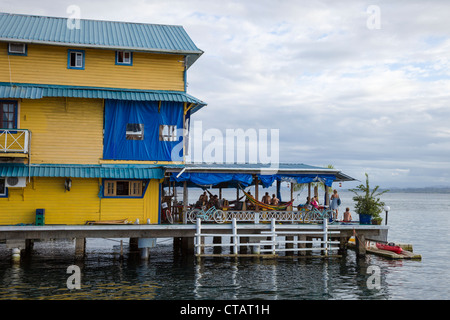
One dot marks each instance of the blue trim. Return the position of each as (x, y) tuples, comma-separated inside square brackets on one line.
[(68, 59), (17, 54), (6, 189), (123, 63), (4, 195), (144, 190), (16, 112)]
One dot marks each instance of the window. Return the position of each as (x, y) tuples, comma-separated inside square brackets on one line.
[(75, 59), (123, 188), (135, 188), (110, 188), (18, 49), (3, 189), (8, 114), (124, 58), (167, 133), (135, 131)]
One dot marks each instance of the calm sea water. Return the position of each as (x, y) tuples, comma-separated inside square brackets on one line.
[(420, 219)]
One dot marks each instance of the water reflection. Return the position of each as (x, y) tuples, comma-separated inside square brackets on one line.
[(168, 275)]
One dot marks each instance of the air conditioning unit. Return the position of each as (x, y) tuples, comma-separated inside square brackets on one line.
[(16, 182)]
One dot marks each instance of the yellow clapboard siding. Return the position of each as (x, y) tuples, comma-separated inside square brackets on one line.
[(64, 130), (132, 209), (46, 64), (76, 206)]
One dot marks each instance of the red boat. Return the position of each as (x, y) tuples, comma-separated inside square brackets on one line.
[(388, 247)]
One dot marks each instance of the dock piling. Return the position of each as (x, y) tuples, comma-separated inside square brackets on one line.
[(80, 247)]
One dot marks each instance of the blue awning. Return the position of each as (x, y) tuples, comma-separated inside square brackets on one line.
[(212, 179), (213, 174), (267, 180), (83, 171), (205, 179)]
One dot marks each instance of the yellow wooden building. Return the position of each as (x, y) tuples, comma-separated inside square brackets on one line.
[(91, 113)]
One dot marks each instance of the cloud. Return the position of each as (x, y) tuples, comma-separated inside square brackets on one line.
[(364, 100)]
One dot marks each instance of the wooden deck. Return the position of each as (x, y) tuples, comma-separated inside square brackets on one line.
[(169, 230)]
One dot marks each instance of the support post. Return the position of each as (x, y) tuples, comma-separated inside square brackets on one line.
[(360, 242), (217, 249), (177, 244), (256, 192), (133, 244), (144, 253), (289, 245), (243, 249), (187, 245), (80, 247), (342, 245), (301, 245)]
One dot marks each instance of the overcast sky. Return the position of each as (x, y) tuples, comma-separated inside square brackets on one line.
[(361, 85)]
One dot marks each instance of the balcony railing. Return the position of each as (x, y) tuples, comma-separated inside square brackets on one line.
[(15, 140)]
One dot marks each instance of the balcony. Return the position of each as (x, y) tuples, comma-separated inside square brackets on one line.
[(14, 142)]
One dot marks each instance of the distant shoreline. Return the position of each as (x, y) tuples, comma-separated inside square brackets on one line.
[(417, 190)]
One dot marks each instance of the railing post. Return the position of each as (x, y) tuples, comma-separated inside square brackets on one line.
[(199, 236), (272, 230), (235, 236), (325, 234), (26, 142)]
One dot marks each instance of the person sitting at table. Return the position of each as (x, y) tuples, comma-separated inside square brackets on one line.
[(266, 198), (314, 202), (274, 200), (248, 203), (202, 200), (214, 201), (347, 215)]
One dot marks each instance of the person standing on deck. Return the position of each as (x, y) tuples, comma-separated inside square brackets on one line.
[(335, 202), (266, 198)]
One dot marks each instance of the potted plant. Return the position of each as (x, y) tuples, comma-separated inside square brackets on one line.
[(367, 203), (377, 220)]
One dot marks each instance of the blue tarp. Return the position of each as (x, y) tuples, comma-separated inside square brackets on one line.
[(267, 180), (119, 113), (208, 179)]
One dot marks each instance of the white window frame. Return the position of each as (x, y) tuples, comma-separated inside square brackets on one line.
[(23, 52), (135, 134), (79, 59), (125, 61), (168, 132)]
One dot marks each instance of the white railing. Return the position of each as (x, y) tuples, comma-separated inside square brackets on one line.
[(302, 216), (272, 246), (15, 140)]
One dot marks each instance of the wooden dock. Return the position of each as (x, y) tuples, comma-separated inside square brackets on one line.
[(407, 252), (187, 235)]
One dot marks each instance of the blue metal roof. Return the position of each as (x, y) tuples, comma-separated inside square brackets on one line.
[(83, 171), (36, 91), (98, 34)]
